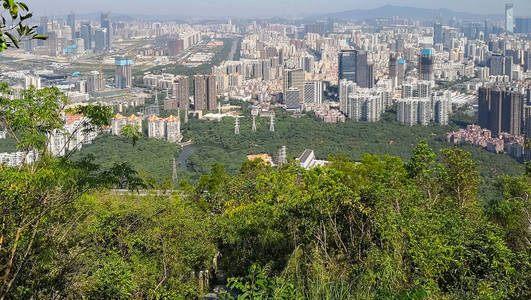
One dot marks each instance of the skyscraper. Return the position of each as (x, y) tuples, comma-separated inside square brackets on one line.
[(52, 43), (345, 88), (424, 88), (486, 30), (364, 106), (354, 66), (181, 92), (438, 34), (527, 60), (86, 35), (527, 121), (401, 71), (509, 17), (347, 65), (105, 22), (200, 91), (393, 71), (212, 93), (94, 82), (364, 70), (496, 64), (500, 110), (42, 30), (426, 64), (512, 112), (205, 92), (292, 98), (123, 78), (71, 21), (441, 112), (307, 63), (313, 92), (508, 67), (424, 112), (407, 111), (294, 78), (413, 111), (100, 40)]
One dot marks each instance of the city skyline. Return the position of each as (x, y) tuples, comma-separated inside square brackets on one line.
[(255, 8)]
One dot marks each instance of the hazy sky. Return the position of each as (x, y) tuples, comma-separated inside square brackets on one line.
[(209, 8)]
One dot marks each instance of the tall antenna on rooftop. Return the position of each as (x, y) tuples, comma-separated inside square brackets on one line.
[(156, 97)]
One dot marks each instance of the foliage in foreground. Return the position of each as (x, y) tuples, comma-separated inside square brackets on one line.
[(37, 199), (383, 229), (14, 32)]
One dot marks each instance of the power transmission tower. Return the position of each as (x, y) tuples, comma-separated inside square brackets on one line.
[(272, 124), (236, 125), (282, 156), (219, 112), (186, 116), (174, 176), (254, 123)]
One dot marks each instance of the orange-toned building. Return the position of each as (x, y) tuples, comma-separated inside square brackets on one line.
[(119, 122)]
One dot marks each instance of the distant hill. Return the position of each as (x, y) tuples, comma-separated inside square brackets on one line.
[(389, 11)]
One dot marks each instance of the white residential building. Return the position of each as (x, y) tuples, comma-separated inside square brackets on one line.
[(18, 158), (363, 104), (156, 128), (413, 111), (308, 161), (119, 122), (168, 129), (76, 132)]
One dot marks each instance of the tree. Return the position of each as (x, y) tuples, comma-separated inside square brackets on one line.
[(462, 179), (38, 196), (16, 31), (423, 169), (132, 132), (258, 285)]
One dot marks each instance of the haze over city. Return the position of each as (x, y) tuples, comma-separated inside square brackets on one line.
[(257, 8)]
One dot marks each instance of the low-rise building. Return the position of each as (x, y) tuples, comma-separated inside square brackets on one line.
[(264, 157), (308, 161)]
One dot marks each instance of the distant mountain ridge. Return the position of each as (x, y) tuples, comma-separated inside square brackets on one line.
[(386, 11), (389, 11), (119, 17)]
